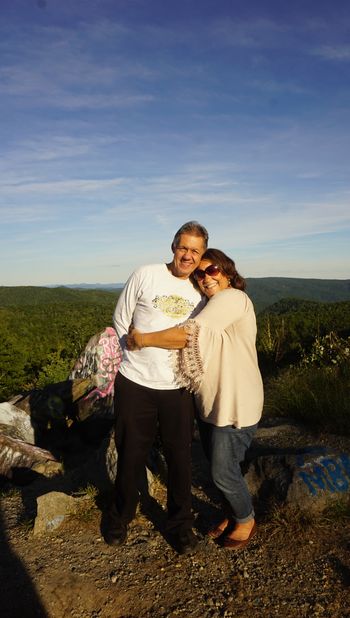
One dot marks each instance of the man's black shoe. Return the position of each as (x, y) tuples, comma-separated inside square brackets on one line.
[(184, 541), (114, 530), (115, 536)]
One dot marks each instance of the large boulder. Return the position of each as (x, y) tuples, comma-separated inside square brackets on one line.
[(309, 478), (16, 422), (54, 404), (101, 359), (17, 455), (53, 509), (29, 429)]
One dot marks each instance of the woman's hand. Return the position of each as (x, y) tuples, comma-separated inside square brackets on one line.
[(134, 340)]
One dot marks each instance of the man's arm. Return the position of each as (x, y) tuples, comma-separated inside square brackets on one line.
[(170, 339)]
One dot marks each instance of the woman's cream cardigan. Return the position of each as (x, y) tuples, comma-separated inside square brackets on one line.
[(219, 363)]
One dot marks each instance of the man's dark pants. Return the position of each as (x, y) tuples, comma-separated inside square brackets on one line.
[(140, 411)]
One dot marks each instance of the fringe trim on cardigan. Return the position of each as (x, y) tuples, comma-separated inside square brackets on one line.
[(187, 363)]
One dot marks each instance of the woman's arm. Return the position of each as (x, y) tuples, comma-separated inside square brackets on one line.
[(170, 339)]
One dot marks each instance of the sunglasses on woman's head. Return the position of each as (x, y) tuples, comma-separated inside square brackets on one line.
[(210, 270)]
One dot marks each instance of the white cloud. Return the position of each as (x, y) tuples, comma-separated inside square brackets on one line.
[(51, 88), (333, 52), (253, 33), (274, 86), (64, 186), (57, 67)]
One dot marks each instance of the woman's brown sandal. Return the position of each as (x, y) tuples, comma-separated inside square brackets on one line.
[(229, 543), (217, 531)]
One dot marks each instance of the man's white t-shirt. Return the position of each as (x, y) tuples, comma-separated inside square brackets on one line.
[(153, 299)]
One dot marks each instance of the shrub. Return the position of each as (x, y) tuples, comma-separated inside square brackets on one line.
[(56, 369), (315, 395), (326, 351)]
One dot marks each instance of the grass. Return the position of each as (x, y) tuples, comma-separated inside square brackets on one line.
[(338, 510), (318, 396), (26, 525), (88, 503), (89, 491), (282, 516), (9, 492)]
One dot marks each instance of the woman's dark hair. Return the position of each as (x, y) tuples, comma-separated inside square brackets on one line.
[(227, 267)]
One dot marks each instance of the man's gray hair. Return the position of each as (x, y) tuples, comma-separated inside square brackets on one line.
[(194, 229)]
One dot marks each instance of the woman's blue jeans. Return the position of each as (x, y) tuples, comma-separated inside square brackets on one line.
[(228, 449)]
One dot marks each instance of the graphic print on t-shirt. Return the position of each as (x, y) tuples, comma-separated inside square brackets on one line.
[(173, 306)]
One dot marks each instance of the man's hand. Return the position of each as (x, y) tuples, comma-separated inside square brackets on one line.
[(134, 340)]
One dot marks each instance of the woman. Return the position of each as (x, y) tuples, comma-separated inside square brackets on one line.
[(217, 360)]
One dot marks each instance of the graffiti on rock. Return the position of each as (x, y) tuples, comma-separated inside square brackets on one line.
[(330, 473)]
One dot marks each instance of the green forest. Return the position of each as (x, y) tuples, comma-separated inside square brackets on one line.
[(43, 331), (303, 346), (287, 329)]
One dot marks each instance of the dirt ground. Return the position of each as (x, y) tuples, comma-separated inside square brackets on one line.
[(293, 568)]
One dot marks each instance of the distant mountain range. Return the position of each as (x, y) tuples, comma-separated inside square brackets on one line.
[(266, 291), (18, 296), (263, 291), (89, 286)]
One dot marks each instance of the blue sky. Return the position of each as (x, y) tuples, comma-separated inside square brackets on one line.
[(122, 119)]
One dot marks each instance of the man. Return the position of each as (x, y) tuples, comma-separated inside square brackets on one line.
[(155, 297)]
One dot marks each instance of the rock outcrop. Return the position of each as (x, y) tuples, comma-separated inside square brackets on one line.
[(100, 359), (16, 455), (53, 508), (309, 479)]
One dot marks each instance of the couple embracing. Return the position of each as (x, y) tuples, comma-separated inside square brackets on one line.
[(196, 306)]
